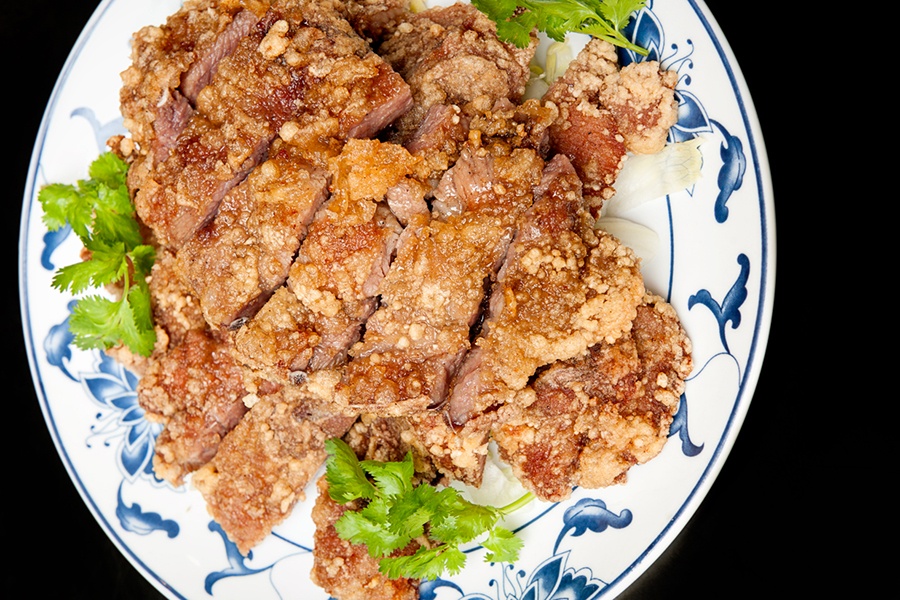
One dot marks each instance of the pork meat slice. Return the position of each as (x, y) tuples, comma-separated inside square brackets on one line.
[(333, 282), (452, 55), (589, 419), (171, 62), (263, 466), (235, 262), (302, 72), (195, 389), (432, 294), (563, 287), (175, 309), (606, 111)]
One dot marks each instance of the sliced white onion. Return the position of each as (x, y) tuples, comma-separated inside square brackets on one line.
[(499, 486), (547, 68), (559, 55), (646, 177), (535, 88), (643, 240)]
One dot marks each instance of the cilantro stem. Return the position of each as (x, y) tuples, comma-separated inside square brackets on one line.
[(515, 505)]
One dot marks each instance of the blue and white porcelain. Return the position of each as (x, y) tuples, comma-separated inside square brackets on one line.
[(715, 264)]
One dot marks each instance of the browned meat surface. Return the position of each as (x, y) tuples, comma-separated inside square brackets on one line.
[(591, 418), (236, 261), (642, 98), (376, 20), (278, 342), (345, 570), (458, 452), (606, 112), (333, 283), (438, 139), (196, 390), (173, 61), (175, 310), (431, 296), (264, 465), (390, 439), (303, 72), (563, 288), (446, 129), (201, 71), (519, 125), (451, 55)]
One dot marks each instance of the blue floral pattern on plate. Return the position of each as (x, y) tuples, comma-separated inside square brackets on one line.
[(723, 308)]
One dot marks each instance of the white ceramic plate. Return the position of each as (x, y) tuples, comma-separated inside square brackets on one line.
[(715, 265)]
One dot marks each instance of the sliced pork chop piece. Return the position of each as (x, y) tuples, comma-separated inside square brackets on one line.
[(439, 138), (235, 262), (563, 288), (333, 282), (446, 129), (172, 62), (263, 466), (195, 389), (175, 309), (432, 294), (606, 111), (588, 420), (452, 55), (302, 68)]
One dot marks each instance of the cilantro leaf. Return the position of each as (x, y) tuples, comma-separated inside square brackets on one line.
[(100, 212), (604, 19), (398, 512), (425, 563), (346, 479), (503, 545)]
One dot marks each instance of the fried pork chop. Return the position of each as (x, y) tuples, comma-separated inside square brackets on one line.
[(426, 291), (431, 295), (172, 62), (345, 570), (563, 287), (196, 390), (451, 55), (607, 111), (263, 465), (310, 323), (236, 261), (301, 66), (586, 421)]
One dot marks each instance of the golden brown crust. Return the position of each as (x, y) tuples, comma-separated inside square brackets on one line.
[(587, 421), (264, 465)]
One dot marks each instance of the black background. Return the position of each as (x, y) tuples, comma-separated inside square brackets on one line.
[(751, 535)]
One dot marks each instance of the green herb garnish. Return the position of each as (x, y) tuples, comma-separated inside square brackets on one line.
[(603, 19), (396, 512), (100, 212)]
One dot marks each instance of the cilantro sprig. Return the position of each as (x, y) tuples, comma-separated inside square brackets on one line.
[(100, 212), (396, 512), (604, 19)]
